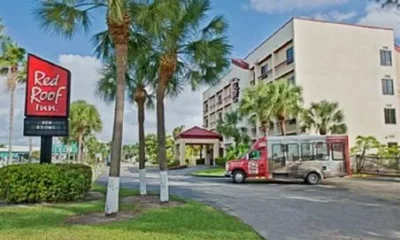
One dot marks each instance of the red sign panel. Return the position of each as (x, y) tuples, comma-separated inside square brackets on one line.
[(47, 89)]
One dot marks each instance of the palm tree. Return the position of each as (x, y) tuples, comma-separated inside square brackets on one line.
[(362, 146), (84, 120), (178, 130), (229, 128), (140, 81), (67, 17), (257, 105), (286, 100), (12, 65), (325, 117), (198, 54)]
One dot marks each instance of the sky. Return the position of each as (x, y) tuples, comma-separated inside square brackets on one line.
[(250, 22)]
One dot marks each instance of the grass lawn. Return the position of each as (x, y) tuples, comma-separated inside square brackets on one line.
[(189, 221), (211, 172)]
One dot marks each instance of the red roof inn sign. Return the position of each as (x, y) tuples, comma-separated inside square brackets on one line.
[(47, 98)]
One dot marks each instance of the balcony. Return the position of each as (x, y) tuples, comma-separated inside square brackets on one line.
[(212, 108), (283, 68)]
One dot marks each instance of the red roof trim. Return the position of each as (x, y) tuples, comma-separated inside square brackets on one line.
[(198, 133), (397, 48)]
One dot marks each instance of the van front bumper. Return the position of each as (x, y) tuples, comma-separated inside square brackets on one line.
[(228, 174)]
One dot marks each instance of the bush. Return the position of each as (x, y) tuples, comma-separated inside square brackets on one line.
[(220, 161), (35, 183)]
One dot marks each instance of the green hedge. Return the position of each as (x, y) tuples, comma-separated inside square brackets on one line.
[(220, 161), (34, 183)]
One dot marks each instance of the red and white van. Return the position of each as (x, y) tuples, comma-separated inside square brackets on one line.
[(311, 158)]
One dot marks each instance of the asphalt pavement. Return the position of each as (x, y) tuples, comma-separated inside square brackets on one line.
[(289, 211)]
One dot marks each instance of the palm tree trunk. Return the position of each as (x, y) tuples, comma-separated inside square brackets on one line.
[(11, 126), (282, 122), (142, 153), (162, 152), (121, 51), (80, 139)]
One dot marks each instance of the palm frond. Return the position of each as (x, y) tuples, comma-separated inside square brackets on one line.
[(65, 17)]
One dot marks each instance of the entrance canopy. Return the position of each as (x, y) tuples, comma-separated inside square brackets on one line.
[(198, 133), (197, 136)]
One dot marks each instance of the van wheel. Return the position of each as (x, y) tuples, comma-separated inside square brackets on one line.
[(313, 178), (238, 177)]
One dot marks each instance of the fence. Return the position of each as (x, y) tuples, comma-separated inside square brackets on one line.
[(376, 165)]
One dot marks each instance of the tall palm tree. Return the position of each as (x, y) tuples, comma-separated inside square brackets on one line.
[(66, 17), (197, 53), (229, 128), (286, 102), (140, 81), (257, 105), (12, 65), (325, 117), (84, 120)]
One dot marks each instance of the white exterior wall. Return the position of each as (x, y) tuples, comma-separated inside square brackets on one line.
[(334, 62), (341, 63)]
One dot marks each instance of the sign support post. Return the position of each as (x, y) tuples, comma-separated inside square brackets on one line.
[(46, 144), (47, 103)]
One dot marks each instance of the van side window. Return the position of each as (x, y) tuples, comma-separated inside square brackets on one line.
[(321, 151), (306, 152), (278, 151), (293, 152), (337, 151)]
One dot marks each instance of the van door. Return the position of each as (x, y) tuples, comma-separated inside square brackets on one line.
[(338, 156), (256, 164)]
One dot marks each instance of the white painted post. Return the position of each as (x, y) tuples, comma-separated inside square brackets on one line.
[(182, 153), (112, 196)]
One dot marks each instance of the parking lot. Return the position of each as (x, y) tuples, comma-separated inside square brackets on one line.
[(337, 209)]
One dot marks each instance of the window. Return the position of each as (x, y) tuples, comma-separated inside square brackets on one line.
[(278, 152), (264, 69), (255, 155), (390, 116), (220, 115), (337, 151), (289, 55), (386, 58), (293, 152), (220, 99), (306, 152), (387, 87), (321, 151), (291, 81)]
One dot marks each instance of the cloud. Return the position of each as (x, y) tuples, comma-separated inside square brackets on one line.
[(377, 16), (183, 110), (271, 6), (335, 16)]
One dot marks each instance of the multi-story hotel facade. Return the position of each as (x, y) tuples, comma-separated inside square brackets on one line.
[(356, 66)]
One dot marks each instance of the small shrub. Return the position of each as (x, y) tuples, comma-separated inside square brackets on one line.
[(35, 183), (220, 161)]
